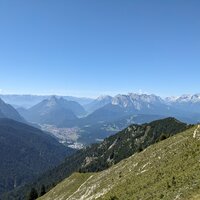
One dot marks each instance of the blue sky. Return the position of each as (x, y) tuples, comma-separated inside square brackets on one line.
[(93, 47)]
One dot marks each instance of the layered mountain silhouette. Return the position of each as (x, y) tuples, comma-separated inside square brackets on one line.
[(28, 101), (26, 152), (186, 102), (53, 111), (98, 103), (186, 107), (7, 111), (108, 113), (108, 109)]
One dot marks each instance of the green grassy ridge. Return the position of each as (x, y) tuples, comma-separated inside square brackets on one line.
[(129, 141), (112, 150), (195, 197), (72, 183), (166, 170)]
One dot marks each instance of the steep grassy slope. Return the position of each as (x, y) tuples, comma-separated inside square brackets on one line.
[(166, 170), (133, 139), (112, 150)]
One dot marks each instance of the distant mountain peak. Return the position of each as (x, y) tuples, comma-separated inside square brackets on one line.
[(171, 99), (52, 101), (104, 97), (54, 110), (136, 101), (53, 98), (186, 98), (99, 102)]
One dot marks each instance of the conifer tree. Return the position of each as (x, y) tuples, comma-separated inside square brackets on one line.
[(33, 194), (43, 190)]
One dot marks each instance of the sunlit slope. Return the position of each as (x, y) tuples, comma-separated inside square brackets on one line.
[(166, 170)]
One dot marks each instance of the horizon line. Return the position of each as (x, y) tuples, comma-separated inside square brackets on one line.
[(94, 97)]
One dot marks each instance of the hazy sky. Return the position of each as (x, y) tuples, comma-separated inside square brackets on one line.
[(93, 47)]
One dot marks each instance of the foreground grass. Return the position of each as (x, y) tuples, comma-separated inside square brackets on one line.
[(72, 184), (167, 170)]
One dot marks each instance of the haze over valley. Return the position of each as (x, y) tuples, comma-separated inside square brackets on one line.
[(80, 124)]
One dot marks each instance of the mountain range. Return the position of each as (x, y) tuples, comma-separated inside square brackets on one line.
[(64, 114), (33, 158), (144, 101), (186, 107), (28, 101), (186, 102), (110, 114), (104, 116), (130, 100), (108, 108)]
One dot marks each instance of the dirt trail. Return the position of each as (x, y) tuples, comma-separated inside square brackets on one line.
[(196, 131)]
